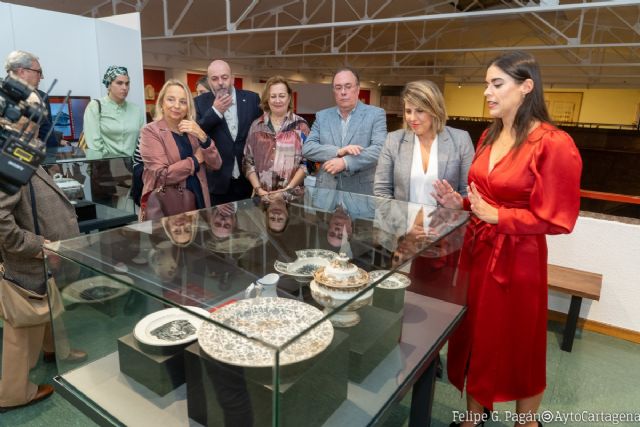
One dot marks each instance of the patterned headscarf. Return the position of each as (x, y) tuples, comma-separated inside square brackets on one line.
[(113, 72)]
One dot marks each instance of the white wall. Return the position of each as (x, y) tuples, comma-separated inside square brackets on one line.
[(612, 249), (73, 49), (113, 34), (313, 97)]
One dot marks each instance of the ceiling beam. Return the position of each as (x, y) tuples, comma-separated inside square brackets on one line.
[(418, 18), (247, 11), (450, 50)]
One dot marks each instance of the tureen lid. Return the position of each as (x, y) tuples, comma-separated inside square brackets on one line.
[(342, 274)]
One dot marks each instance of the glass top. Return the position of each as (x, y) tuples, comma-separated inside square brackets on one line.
[(72, 153), (208, 258)]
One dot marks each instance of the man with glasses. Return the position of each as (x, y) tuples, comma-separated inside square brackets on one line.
[(347, 139), (25, 66)]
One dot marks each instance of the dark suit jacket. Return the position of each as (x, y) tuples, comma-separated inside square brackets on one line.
[(47, 124), (248, 105)]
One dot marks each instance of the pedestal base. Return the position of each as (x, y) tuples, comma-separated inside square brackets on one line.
[(389, 299), (223, 395), (160, 369), (371, 340)]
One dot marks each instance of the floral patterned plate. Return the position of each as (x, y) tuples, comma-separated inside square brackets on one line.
[(171, 326), (394, 281), (269, 320), (308, 261), (96, 289)]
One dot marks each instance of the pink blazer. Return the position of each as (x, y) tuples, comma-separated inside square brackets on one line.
[(160, 155)]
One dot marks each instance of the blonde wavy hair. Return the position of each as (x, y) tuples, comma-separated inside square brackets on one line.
[(426, 95), (190, 106)]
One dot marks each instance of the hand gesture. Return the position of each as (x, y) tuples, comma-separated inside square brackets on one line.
[(190, 127), (480, 208), (334, 166), (353, 150), (261, 192), (226, 209), (222, 101), (446, 195)]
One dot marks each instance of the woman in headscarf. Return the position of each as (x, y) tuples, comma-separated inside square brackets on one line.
[(111, 127), (111, 124)]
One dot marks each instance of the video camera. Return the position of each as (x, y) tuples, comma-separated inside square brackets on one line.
[(21, 152)]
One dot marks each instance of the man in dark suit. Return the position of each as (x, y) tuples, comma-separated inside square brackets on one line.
[(226, 114), (25, 66)]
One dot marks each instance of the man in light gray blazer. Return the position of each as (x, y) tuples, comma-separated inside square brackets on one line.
[(347, 139)]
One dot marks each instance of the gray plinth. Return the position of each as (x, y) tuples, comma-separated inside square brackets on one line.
[(371, 340), (389, 299), (160, 369), (309, 392)]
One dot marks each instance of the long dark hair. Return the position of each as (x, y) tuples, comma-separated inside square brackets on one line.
[(520, 66)]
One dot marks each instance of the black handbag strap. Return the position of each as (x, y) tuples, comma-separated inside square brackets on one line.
[(33, 208), (36, 227)]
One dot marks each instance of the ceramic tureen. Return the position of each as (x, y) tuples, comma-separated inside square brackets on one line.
[(335, 284)]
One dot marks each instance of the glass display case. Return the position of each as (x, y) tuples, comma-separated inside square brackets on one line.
[(96, 183), (316, 307)]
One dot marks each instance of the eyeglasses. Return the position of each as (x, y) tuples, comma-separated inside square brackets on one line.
[(35, 71), (347, 87)]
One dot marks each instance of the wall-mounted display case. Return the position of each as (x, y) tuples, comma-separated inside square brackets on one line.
[(235, 315)]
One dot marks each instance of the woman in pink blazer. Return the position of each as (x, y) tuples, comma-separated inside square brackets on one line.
[(174, 149)]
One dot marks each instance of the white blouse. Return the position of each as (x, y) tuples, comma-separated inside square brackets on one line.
[(420, 182)]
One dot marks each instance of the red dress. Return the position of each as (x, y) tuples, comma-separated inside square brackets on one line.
[(500, 346)]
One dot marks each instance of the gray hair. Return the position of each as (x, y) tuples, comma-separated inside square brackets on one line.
[(19, 59)]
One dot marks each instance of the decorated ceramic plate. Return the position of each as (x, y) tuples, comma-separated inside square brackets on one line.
[(96, 289), (171, 326), (270, 320), (395, 281), (307, 261), (236, 243)]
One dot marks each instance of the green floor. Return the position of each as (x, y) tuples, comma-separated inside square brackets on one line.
[(602, 374)]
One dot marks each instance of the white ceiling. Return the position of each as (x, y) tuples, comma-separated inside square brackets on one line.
[(593, 43)]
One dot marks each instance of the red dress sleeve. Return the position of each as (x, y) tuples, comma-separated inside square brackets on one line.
[(554, 203)]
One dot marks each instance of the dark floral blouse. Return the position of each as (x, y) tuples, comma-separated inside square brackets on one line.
[(275, 157)]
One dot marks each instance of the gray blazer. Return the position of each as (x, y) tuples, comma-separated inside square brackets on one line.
[(455, 153), (20, 247), (367, 127)]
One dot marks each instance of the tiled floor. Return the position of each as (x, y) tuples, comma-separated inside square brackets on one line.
[(602, 374)]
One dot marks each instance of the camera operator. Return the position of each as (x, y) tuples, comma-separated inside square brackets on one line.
[(25, 66), (40, 205)]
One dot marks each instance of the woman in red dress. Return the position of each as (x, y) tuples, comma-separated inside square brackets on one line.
[(524, 183)]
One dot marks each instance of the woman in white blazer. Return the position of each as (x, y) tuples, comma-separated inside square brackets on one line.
[(425, 150)]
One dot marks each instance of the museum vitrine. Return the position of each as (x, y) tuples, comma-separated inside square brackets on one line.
[(97, 183), (313, 307)]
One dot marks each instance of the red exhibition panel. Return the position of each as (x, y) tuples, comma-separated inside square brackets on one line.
[(153, 82)]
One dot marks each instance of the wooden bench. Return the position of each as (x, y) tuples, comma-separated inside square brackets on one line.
[(579, 284)]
